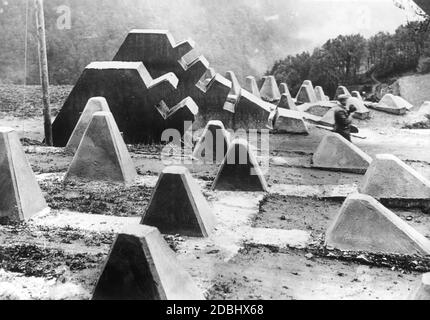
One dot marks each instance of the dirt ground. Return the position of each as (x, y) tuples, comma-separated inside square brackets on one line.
[(265, 246)]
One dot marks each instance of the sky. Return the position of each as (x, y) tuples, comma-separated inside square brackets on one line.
[(320, 20)]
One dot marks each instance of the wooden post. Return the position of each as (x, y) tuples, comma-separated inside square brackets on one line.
[(43, 68)]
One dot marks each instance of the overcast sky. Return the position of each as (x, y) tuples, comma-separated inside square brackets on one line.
[(319, 20)]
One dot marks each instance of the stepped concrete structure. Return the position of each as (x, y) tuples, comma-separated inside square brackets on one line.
[(392, 104), (240, 170), (363, 224), (20, 194), (96, 104), (336, 153), (186, 212), (269, 92), (102, 154), (131, 94), (141, 266), (306, 93), (234, 94), (423, 291), (342, 90), (181, 117), (213, 143), (287, 121), (251, 86), (390, 178)]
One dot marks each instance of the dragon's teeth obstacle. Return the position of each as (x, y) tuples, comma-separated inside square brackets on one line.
[(365, 225), (20, 194), (141, 266), (185, 211), (102, 154)]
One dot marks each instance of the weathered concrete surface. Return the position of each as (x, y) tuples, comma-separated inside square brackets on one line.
[(96, 104), (392, 104), (423, 291), (234, 94), (269, 91), (180, 117), (141, 266), (319, 93), (286, 101), (390, 178), (342, 90), (177, 205), (363, 224), (157, 49), (319, 108), (362, 112), (131, 93), (306, 93), (240, 170), (102, 154), (251, 112), (328, 118), (20, 194), (357, 95), (287, 121), (213, 143), (335, 152), (251, 86), (425, 108)]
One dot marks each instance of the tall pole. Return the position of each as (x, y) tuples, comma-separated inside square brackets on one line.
[(43, 67)]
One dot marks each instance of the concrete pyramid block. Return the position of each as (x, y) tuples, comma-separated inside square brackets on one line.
[(96, 104), (251, 86), (240, 170), (336, 153), (423, 291), (362, 111), (269, 91), (328, 118), (251, 112), (363, 224), (392, 104), (234, 94), (141, 266), (319, 92), (20, 194), (390, 178), (177, 205), (357, 94), (287, 121), (102, 154), (306, 93), (286, 101), (341, 90), (213, 144)]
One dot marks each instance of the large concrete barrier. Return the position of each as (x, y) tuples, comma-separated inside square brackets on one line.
[(390, 178), (20, 194), (177, 205), (269, 92), (392, 104), (363, 224), (251, 86), (336, 153), (342, 90), (102, 154), (131, 94), (306, 93), (141, 266), (240, 170), (287, 121)]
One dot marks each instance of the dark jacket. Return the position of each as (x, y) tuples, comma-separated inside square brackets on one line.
[(342, 121)]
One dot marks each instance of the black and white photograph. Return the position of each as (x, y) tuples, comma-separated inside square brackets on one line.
[(215, 152)]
